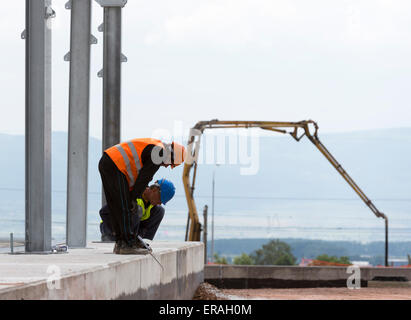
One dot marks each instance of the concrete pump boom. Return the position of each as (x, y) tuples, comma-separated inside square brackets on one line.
[(193, 224)]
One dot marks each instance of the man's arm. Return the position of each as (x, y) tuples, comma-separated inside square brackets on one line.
[(146, 173), (144, 177)]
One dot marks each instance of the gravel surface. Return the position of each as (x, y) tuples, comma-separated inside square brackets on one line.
[(207, 291), (322, 294)]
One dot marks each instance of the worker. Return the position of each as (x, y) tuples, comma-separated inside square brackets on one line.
[(125, 170), (149, 209)]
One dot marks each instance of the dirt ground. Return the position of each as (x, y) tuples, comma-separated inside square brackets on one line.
[(208, 292)]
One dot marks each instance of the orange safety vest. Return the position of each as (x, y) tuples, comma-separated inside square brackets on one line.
[(127, 156)]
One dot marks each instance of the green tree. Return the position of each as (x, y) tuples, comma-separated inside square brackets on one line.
[(274, 252), (326, 257), (244, 259), (219, 260)]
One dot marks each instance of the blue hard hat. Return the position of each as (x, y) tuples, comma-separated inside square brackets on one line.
[(167, 190)]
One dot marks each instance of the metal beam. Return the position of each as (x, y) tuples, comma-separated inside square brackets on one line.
[(78, 134), (112, 3), (111, 76), (38, 125), (111, 73), (205, 232)]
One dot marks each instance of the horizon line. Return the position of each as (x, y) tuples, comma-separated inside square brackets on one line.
[(265, 134)]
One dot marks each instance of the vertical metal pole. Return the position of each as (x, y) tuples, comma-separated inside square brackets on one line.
[(386, 242), (79, 96), (205, 233), (11, 243), (111, 76), (112, 58), (38, 126), (212, 220)]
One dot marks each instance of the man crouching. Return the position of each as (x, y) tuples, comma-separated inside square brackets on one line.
[(146, 217)]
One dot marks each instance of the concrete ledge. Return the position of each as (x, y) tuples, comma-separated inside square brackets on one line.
[(228, 276), (96, 273)]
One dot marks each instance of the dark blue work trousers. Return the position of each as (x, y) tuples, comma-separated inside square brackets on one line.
[(146, 229)]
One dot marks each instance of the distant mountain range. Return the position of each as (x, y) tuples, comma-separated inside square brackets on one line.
[(280, 201), (378, 160)]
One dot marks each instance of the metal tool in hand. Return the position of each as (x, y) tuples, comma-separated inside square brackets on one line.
[(150, 251)]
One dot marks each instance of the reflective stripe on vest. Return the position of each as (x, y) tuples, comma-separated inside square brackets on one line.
[(127, 156), (130, 174), (131, 177), (146, 212), (135, 156)]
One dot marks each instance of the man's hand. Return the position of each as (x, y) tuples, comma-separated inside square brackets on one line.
[(134, 206), (136, 209), (144, 244)]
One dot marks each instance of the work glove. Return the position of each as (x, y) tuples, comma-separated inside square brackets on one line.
[(143, 244), (136, 209), (134, 206)]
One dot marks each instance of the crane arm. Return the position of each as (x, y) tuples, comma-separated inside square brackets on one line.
[(308, 128)]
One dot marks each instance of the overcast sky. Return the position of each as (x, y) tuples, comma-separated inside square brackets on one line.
[(345, 64)]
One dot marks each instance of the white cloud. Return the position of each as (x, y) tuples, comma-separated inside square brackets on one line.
[(222, 23), (228, 23), (378, 22), (338, 62)]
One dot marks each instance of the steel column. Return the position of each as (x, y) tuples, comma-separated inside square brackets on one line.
[(111, 76), (205, 231), (78, 134), (111, 73), (386, 242), (212, 219), (38, 125)]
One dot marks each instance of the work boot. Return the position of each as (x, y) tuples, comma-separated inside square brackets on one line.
[(126, 248), (117, 247), (141, 249), (140, 245)]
